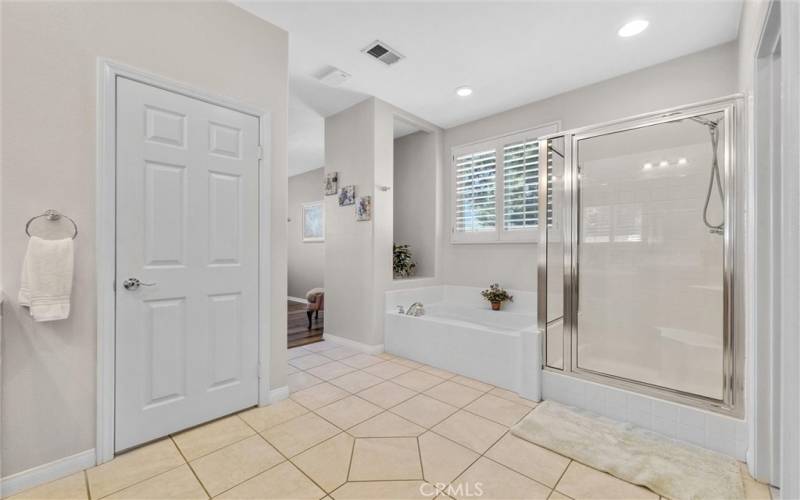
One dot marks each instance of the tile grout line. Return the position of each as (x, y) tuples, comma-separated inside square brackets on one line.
[(480, 455), (537, 481), (135, 483), (86, 484), (142, 480), (384, 382), (252, 477), (172, 437), (340, 431), (208, 495), (383, 410), (349, 464), (458, 408), (285, 459), (562, 474), (419, 453), (345, 431)]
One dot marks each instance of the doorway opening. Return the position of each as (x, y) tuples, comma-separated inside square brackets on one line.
[(306, 256)]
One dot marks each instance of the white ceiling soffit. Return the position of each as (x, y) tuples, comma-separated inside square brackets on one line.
[(403, 128), (510, 53), (306, 148)]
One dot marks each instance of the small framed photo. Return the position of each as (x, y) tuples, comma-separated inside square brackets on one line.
[(364, 208), (313, 222), (347, 196), (331, 183)]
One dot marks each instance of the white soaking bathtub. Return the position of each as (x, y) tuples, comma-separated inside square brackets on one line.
[(460, 333)]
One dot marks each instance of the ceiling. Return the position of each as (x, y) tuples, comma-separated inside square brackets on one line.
[(510, 53), (306, 146)]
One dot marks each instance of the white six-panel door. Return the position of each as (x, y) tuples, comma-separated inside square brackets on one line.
[(187, 229)]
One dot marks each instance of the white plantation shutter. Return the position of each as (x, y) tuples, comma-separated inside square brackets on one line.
[(498, 179), (475, 178), (521, 185)]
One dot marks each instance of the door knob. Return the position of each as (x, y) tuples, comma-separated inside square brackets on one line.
[(134, 283)]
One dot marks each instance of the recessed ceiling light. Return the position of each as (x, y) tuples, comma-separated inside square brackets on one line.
[(633, 28), (463, 91), (647, 166)]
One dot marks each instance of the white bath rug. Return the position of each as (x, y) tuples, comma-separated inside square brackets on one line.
[(670, 468)]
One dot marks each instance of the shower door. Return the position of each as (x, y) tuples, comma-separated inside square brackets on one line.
[(637, 260)]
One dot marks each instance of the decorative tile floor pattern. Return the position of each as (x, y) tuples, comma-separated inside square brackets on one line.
[(362, 427)]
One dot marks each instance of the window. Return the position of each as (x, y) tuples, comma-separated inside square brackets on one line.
[(495, 195), (313, 222), (475, 192)]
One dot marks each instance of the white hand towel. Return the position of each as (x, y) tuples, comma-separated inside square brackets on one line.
[(46, 282)]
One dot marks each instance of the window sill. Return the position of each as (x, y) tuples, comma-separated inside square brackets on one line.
[(532, 241)]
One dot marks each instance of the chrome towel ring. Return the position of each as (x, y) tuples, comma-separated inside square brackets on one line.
[(51, 215)]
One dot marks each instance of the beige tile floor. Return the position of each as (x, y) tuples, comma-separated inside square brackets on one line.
[(356, 427)]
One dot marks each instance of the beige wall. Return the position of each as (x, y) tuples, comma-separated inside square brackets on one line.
[(415, 198), (49, 57), (703, 75), (350, 151), (306, 259), (754, 14), (359, 145)]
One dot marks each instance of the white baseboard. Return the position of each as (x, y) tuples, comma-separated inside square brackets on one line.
[(298, 299), (352, 344), (46, 472), (278, 394)]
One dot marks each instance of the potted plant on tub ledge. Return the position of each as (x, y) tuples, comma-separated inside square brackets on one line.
[(496, 296)]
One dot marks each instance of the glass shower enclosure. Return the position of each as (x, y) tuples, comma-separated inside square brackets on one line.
[(637, 257)]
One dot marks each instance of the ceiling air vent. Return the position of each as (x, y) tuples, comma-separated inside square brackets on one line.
[(382, 52)]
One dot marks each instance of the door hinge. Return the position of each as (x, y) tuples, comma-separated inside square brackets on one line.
[(259, 369), (260, 152)]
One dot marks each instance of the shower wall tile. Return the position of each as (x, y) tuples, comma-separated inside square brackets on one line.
[(596, 400), (640, 411), (718, 435), (666, 427), (617, 404), (709, 430), (689, 417), (692, 434)]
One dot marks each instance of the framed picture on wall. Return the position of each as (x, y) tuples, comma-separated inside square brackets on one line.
[(313, 222), (331, 183), (364, 208), (347, 196)]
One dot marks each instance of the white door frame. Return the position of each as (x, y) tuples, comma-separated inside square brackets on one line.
[(776, 416), (107, 73), (766, 230)]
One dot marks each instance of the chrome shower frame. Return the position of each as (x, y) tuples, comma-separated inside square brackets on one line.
[(732, 109)]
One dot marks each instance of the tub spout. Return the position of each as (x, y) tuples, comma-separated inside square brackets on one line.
[(416, 309)]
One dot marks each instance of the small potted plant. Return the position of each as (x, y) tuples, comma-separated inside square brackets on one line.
[(496, 296), (403, 264)]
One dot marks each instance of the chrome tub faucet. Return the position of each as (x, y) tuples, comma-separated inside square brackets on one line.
[(416, 309)]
